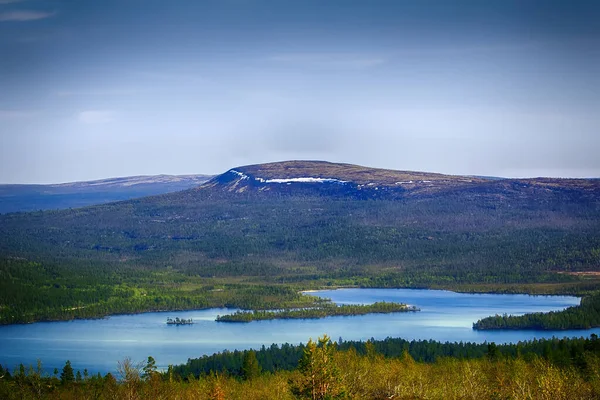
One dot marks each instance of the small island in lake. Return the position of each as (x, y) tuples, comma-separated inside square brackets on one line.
[(179, 321), (327, 310)]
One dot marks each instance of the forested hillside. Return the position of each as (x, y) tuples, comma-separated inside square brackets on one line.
[(302, 225)]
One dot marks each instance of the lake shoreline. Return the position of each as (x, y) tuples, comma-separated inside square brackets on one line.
[(308, 292), (445, 316)]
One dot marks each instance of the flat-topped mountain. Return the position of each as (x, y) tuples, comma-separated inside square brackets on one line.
[(15, 198), (322, 178), (344, 177), (299, 170)]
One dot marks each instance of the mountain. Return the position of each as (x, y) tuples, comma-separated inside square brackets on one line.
[(332, 217), (294, 177), (306, 178), (255, 235), (18, 198)]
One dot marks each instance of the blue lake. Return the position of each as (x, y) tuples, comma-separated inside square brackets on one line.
[(98, 344)]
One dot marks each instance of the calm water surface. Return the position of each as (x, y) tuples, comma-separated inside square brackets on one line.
[(98, 344)]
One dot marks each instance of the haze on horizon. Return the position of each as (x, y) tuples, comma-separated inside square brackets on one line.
[(92, 90)]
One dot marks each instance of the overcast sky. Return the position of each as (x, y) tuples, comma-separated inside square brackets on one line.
[(95, 89)]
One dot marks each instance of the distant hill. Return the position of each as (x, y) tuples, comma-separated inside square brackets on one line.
[(17, 198), (312, 217)]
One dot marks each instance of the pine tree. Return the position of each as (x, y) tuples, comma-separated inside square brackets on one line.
[(492, 351), (322, 378), (67, 375), (250, 367), (150, 368)]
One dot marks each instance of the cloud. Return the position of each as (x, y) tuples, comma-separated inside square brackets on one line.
[(96, 116), (328, 60), (25, 15)]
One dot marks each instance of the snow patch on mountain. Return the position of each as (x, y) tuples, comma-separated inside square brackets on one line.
[(301, 180), (240, 174)]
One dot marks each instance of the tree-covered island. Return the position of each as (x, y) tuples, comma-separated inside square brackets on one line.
[(180, 321), (325, 310)]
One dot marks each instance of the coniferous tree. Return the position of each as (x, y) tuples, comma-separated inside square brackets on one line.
[(250, 366), (67, 375), (150, 368), (321, 375), (492, 352)]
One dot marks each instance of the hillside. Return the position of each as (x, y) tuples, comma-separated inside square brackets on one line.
[(20, 198), (271, 229), (341, 179), (320, 213), (298, 178)]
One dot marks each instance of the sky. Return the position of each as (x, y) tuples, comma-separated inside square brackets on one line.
[(94, 89)]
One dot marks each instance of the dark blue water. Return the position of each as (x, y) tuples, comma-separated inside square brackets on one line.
[(98, 344)]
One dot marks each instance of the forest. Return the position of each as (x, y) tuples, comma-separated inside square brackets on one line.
[(584, 316), (561, 352), (323, 369), (34, 291), (325, 310)]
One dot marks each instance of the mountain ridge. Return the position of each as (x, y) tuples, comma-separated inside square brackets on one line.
[(339, 179), (34, 197), (118, 180)]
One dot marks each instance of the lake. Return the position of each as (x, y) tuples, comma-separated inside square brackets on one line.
[(98, 344)]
